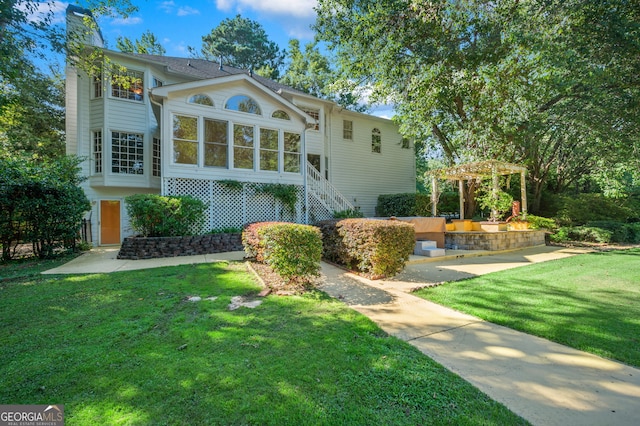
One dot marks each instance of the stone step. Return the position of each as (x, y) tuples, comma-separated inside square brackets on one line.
[(427, 249), (424, 245)]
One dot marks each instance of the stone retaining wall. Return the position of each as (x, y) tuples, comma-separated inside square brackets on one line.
[(493, 241), (135, 248)]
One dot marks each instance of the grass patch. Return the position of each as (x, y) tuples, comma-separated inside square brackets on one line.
[(127, 348), (590, 302)]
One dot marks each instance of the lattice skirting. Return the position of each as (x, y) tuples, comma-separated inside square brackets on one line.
[(231, 206)]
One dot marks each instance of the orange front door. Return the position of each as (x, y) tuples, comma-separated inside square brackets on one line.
[(109, 222)]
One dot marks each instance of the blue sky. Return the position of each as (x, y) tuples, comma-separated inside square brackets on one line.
[(179, 24)]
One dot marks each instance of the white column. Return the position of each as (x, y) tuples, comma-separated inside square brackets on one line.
[(434, 196), (523, 194), (461, 197)]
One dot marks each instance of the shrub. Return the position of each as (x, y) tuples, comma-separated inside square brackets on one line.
[(347, 214), (582, 208), (403, 205), (153, 215), (378, 248), (539, 222), (252, 242), (293, 251), (620, 232)]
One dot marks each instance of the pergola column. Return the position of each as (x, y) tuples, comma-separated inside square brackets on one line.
[(523, 194), (461, 196), (434, 196), (495, 188)]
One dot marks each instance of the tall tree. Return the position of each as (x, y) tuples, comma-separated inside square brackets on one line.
[(546, 82), (310, 71), (147, 44), (243, 43)]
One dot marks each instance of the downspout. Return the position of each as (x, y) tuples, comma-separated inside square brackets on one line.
[(162, 153), (304, 173)]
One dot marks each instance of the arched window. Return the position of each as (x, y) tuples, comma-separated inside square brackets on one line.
[(243, 103), (281, 115), (201, 99), (376, 141)]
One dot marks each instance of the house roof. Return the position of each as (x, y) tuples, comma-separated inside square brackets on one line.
[(203, 69)]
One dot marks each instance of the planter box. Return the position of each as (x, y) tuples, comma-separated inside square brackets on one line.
[(518, 226), (493, 226), (463, 224)]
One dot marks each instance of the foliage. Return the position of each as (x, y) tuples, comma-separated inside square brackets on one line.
[(550, 84), (147, 44), (286, 194), (378, 248), (231, 184), (293, 251), (498, 202), (41, 204), (539, 222), (409, 204), (310, 71), (252, 242), (165, 216), (348, 214), (243, 43), (603, 232), (582, 208), (230, 230)]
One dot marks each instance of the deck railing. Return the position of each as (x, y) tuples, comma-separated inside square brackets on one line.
[(325, 192)]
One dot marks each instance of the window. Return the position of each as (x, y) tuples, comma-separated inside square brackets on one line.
[(243, 146), (347, 129), (156, 164), (314, 160), (315, 114), (128, 85), (201, 99), (269, 150), (127, 153), (185, 139), (405, 144), (291, 152), (97, 86), (280, 114), (376, 141), (243, 103), (97, 151), (215, 143), (156, 83)]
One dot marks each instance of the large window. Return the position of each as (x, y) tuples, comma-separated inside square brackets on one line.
[(215, 143), (291, 152), (243, 146), (376, 141), (127, 153), (281, 115), (347, 129), (128, 85), (243, 103), (269, 150), (156, 158), (201, 99), (185, 139), (97, 151)]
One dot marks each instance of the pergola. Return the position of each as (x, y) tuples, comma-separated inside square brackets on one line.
[(474, 171)]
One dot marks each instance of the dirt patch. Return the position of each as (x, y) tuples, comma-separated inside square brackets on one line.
[(278, 285)]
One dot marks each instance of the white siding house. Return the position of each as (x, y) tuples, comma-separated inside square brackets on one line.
[(195, 127)]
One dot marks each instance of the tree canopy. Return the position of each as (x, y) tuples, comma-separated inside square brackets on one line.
[(243, 43), (549, 83), (147, 44)]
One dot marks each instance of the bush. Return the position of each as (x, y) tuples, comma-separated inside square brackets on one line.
[(604, 232), (252, 242), (293, 251), (539, 222), (403, 205), (620, 232), (348, 214), (153, 215), (582, 208), (378, 248)]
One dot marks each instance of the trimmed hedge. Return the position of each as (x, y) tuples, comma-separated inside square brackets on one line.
[(293, 251), (165, 216), (378, 248), (409, 204), (600, 232)]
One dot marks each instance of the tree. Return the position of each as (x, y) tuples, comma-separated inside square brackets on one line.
[(311, 72), (147, 44), (243, 43), (548, 83)]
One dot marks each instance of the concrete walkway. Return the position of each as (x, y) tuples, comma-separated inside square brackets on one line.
[(544, 382)]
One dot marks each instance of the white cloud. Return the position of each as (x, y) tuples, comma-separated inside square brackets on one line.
[(298, 8), (41, 11), (167, 6), (131, 20), (186, 11)]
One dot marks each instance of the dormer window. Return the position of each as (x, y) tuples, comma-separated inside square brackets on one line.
[(376, 141), (201, 99), (281, 115), (243, 103), (128, 85)]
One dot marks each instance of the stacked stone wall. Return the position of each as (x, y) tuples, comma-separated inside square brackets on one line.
[(494, 241), (135, 248)]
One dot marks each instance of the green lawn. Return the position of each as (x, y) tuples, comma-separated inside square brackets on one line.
[(590, 302), (127, 348)]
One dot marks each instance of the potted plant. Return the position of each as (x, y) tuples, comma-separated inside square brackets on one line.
[(499, 203)]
